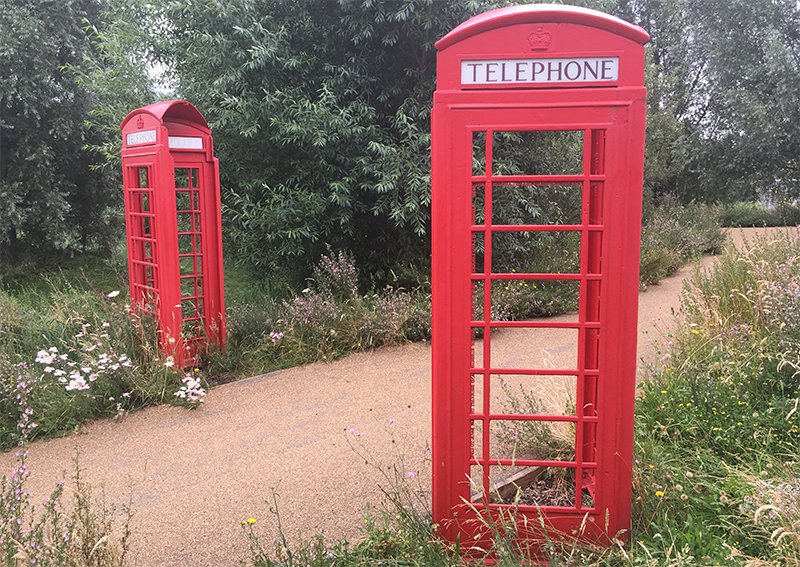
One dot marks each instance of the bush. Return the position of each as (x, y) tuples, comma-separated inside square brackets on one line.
[(674, 234), (749, 213)]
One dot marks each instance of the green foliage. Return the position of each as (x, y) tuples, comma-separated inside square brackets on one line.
[(320, 112), (742, 214), (717, 419), (327, 320), (52, 199), (721, 124), (673, 234), (82, 355), (115, 73)]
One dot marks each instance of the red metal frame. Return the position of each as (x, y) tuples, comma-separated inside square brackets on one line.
[(607, 119), (172, 214)]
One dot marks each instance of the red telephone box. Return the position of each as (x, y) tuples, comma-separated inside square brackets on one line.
[(172, 215), (537, 155)]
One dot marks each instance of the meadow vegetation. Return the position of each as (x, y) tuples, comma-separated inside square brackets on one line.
[(716, 477)]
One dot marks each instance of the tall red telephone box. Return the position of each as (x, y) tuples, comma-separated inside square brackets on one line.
[(537, 156), (172, 214)]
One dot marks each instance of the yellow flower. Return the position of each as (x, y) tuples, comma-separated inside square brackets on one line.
[(659, 493), (251, 521)]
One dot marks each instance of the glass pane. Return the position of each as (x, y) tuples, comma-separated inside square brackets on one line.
[(554, 252), (187, 265), (478, 203), (536, 203), (477, 439), (182, 178), (477, 347), (143, 178), (187, 287), (506, 481), (477, 393), (183, 201), (532, 440), (537, 152), (194, 178), (476, 483), (478, 153), (145, 203), (477, 300), (189, 308), (477, 252), (184, 222), (185, 244)]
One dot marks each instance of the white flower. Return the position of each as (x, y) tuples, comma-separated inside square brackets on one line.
[(169, 362), (49, 369), (44, 357), (77, 384), (114, 293), (58, 372), (94, 376), (86, 370)]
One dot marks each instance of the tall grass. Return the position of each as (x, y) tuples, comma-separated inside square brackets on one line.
[(717, 420)]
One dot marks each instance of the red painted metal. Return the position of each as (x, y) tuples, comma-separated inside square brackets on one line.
[(172, 215), (576, 75)]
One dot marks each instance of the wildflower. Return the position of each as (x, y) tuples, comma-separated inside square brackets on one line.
[(659, 493), (411, 475), (169, 362), (113, 294)]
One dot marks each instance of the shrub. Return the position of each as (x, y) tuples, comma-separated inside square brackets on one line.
[(675, 234)]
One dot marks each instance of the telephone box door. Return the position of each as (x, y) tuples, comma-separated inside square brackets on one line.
[(534, 213)]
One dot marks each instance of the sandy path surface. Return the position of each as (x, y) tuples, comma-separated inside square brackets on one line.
[(195, 475)]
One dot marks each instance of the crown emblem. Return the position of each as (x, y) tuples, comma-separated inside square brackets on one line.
[(539, 39), (140, 123)]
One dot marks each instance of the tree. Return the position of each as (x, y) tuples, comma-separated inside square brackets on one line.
[(320, 112), (51, 198), (723, 120)]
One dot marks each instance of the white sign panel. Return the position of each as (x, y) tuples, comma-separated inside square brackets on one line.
[(185, 143), (144, 137), (537, 71)]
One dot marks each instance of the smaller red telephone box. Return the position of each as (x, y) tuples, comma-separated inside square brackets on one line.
[(172, 215), (537, 156)]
